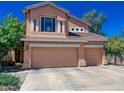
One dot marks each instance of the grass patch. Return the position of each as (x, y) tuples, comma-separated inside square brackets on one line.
[(8, 81)]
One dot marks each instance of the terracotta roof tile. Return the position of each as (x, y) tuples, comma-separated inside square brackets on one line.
[(77, 36), (91, 36)]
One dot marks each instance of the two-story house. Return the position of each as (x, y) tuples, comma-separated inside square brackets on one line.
[(55, 38)]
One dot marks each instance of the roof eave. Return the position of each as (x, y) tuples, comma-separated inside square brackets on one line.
[(52, 40)]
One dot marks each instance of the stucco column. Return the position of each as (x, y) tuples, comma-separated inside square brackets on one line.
[(28, 23), (104, 61), (81, 59), (27, 56), (59, 26), (66, 25)]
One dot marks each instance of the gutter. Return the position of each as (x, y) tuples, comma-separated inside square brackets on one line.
[(53, 40)]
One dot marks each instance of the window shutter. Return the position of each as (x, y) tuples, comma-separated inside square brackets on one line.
[(37, 26)]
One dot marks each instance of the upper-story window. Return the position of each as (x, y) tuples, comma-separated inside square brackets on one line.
[(47, 24), (76, 29)]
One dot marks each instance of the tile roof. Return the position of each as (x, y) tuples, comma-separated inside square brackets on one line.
[(72, 37), (90, 36)]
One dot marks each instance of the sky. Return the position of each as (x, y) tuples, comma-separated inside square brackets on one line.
[(113, 10)]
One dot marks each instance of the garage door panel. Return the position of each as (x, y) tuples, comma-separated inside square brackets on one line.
[(93, 56), (54, 57)]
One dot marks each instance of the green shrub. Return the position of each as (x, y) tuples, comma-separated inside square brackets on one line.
[(9, 80), (4, 63), (7, 63)]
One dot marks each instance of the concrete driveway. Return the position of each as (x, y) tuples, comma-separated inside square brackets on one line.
[(84, 78)]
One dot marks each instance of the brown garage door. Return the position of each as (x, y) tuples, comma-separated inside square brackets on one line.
[(93, 56), (54, 57)]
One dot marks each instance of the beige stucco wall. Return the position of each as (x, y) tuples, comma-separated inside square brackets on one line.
[(46, 10), (27, 55), (74, 23)]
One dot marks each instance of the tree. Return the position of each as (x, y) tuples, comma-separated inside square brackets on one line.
[(95, 20), (11, 30), (115, 47)]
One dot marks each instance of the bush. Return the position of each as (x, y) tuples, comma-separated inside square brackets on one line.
[(9, 80), (115, 48), (7, 63)]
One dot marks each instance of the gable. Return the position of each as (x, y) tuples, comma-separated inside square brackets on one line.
[(43, 4), (58, 8), (46, 10), (35, 12), (75, 22)]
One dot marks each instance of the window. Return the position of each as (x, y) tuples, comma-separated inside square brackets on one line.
[(81, 29), (34, 25), (72, 29), (61, 26), (77, 29), (47, 24)]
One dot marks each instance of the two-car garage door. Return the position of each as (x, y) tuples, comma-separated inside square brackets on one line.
[(53, 57)]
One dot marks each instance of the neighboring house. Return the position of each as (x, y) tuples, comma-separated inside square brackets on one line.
[(55, 38)]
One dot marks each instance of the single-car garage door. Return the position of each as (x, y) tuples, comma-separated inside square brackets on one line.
[(93, 56), (53, 57)]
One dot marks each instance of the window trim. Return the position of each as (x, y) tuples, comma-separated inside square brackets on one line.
[(44, 23)]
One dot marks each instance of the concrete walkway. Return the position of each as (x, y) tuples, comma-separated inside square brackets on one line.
[(84, 78)]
